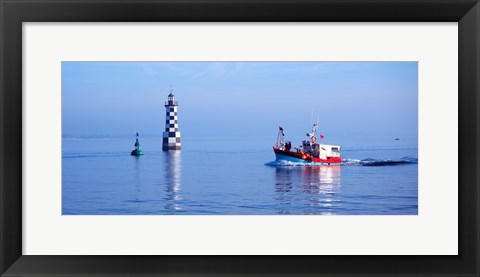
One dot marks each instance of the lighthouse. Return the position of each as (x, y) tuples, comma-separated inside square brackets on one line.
[(171, 136)]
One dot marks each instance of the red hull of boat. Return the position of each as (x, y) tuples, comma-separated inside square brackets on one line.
[(307, 158)]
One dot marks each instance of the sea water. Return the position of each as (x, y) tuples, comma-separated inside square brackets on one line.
[(235, 176)]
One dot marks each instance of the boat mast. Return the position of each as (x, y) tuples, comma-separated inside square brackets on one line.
[(280, 138), (314, 129), (311, 135)]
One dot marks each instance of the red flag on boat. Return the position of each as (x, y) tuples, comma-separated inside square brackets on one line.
[(321, 136)]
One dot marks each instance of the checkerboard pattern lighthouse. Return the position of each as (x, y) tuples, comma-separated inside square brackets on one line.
[(171, 136)]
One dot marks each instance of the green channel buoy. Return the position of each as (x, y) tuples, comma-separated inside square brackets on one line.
[(137, 151)]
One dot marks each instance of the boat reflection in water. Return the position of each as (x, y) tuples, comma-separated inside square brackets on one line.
[(307, 189), (172, 180)]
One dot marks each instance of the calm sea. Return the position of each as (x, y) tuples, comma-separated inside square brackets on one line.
[(233, 176)]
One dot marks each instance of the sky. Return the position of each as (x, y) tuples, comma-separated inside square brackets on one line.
[(243, 99)]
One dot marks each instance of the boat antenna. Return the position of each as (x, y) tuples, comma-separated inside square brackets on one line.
[(314, 126), (311, 117)]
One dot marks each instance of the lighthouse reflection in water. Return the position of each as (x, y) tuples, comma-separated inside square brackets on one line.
[(172, 180)]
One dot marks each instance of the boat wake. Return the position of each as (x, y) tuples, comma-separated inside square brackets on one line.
[(378, 162), (352, 162)]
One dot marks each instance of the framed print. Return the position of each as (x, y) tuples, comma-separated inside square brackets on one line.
[(168, 138), (181, 188)]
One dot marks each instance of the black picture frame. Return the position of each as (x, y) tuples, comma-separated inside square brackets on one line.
[(15, 12)]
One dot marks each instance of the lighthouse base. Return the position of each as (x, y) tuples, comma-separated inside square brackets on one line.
[(171, 141), (171, 147), (171, 144)]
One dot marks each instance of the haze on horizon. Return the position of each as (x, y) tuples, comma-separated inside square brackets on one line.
[(245, 99)]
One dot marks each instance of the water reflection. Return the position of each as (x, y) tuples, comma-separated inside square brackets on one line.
[(138, 180), (307, 189), (172, 180)]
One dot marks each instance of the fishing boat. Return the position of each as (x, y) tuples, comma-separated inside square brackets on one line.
[(310, 152)]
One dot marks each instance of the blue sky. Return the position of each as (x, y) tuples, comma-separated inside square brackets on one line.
[(248, 99)]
